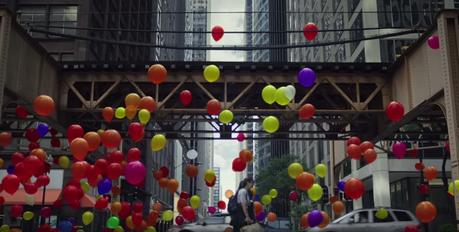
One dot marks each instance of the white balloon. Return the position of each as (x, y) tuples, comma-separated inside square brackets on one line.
[(30, 199), (290, 92), (192, 154)]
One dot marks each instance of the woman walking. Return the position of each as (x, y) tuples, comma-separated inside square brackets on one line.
[(244, 214)]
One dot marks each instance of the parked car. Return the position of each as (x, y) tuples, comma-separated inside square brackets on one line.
[(280, 225), (218, 222), (364, 220)]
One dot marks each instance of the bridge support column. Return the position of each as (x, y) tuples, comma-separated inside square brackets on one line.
[(448, 31), (381, 184)]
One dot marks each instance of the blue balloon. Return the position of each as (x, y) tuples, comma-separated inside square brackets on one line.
[(256, 198), (42, 129), (65, 226), (104, 186), (10, 169), (341, 185), (315, 218), (261, 216)]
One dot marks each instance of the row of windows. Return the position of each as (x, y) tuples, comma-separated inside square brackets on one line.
[(56, 16)]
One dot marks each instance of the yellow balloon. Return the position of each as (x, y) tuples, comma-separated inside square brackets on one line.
[(269, 94), (195, 201), (211, 73), (321, 170), (315, 192), (144, 116), (150, 229), (87, 217), (266, 199), (226, 116), (280, 96), (85, 186), (27, 215), (167, 215), (129, 223), (4, 228), (295, 169), (119, 229), (273, 193), (209, 175), (64, 161), (270, 124), (120, 113), (2, 163), (451, 189), (382, 214), (158, 142)]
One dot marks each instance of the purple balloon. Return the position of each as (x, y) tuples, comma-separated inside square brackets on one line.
[(104, 186), (341, 185), (307, 77), (399, 149), (261, 216), (434, 42), (315, 218), (211, 209), (42, 130)]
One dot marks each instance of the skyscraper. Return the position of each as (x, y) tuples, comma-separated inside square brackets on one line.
[(248, 27), (171, 20), (216, 190), (196, 21)]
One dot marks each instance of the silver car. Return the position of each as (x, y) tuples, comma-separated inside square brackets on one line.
[(364, 220)]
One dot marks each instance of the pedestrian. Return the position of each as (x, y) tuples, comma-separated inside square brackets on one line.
[(243, 214)]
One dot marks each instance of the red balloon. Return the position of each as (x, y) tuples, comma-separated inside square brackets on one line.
[(21, 112), (92, 172), (426, 211), (423, 188), (101, 166), (191, 170), (354, 188), (43, 180), (412, 228), (212, 183), (32, 163), (419, 166), (114, 171), (186, 97), (137, 219), (188, 213), (310, 31), (107, 114), (137, 207), (238, 165), (79, 170), (179, 220), (353, 140), (30, 188), (32, 135), (304, 181), (136, 131), (354, 151), (2, 200), (217, 33), (55, 142), (33, 145), (111, 138), (10, 183), (134, 154), (214, 107), (23, 173), (115, 157), (5, 139), (181, 203), (430, 173), (16, 211), (74, 131), (17, 157), (365, 145), (184, 195), (165, 171), (71, 193), (101, 203), (293, 196), (369, 155), (158, 174), (45, 212), (306, 111), (125, 210), (395, 111), (221, 205)]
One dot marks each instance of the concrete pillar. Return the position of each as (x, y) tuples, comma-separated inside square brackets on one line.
[(372, 47), (381, 184), (357, 204), (5, 27), (448, 32)]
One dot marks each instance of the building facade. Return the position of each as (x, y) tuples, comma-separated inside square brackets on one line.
[(216, 189), (197, 21)]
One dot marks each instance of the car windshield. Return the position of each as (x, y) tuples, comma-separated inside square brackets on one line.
[(215, 220)]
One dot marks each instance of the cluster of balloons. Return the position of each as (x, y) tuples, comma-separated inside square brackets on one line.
[(356, 149), (281, 96), (260, 204), (240, 163), (315, 218), (162, 176), (306, 182)]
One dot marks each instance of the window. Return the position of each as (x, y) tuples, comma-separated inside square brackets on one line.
[(361, 217), (389, 218), (63, 16), (35, 15), (402, 216)]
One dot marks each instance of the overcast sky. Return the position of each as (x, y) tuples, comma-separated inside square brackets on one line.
[(225, 151)]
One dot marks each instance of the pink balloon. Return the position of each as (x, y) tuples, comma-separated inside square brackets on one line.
[(211, 209), (179, 220), (434, 42), (135, 172), (240, 137), (399, 149)]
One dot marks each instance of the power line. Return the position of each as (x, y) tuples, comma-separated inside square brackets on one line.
[(209, 32), (227, 48)]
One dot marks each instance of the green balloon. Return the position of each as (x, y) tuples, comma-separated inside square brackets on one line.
[(211, 73), (270, 124), (266, 199), (381, 214), (195, 202), (4, 228), (315, 192), (225, 116), (273, 193), (144, 116), (167, 215), (321, 170), (120, 113), (113, 222), (281, 97), (269, 94)]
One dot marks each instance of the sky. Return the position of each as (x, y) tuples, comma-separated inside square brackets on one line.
[(226, 150)]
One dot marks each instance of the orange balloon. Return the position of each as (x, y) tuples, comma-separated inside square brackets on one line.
[(79, 169), (163, 182), (43, 105), (115, 207), (354, 152), (430, 173), (111, 138), (157, 207), (258, 207), (5, 139), (325, 220), (338, 207), (93, 140), (306, 111), (148, 103), (132, 99), (131, 111), (426, 211), (40, 153), (272, 217), (107, 114), (304, 181), (365, 145), (172, 185), (191, 170), (157, 74), (79, 148), (246, 155), (369, 155), (152, 218), (229, 193), (304, 220)]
